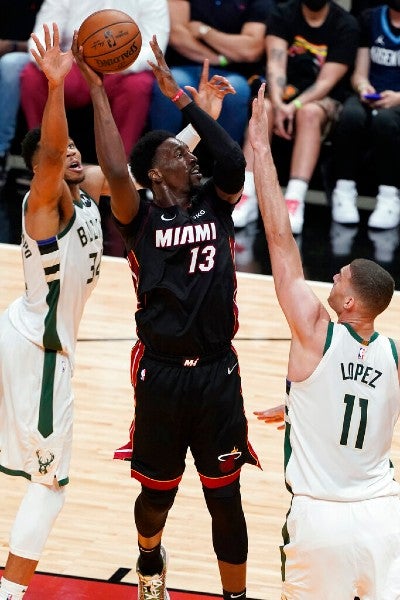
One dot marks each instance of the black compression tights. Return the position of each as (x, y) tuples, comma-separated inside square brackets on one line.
[(151, 510), (229, 530)]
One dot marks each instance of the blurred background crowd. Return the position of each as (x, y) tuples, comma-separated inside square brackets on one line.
[(333, 99)]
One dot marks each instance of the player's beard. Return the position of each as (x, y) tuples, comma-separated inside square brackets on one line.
[(77, 179)]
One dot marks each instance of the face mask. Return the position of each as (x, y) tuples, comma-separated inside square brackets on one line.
[(394, 4), (316, 5)]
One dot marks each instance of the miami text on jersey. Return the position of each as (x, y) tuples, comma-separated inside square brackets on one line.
[(189, 234)]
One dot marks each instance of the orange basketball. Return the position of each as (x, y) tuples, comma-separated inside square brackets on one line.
[(111, 40)]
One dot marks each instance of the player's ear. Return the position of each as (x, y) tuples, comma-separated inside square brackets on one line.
[(155, 176), (348, 302)]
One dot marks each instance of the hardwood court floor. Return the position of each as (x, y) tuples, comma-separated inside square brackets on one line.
[(94, 536)]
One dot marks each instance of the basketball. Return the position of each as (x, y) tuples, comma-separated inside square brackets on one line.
[(111, 40)]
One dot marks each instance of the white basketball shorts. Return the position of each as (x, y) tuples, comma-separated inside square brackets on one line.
[(36, 409), (339, 550)]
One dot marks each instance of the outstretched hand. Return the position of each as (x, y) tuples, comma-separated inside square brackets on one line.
[(276, 414), (161, 70), (211, 92), (92, 77), (54, 63), (258, 124)]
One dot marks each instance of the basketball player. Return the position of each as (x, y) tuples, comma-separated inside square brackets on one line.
[(61, 250), (184, 370), (342, 534)]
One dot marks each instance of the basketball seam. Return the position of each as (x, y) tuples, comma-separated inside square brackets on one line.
[(81, 43)]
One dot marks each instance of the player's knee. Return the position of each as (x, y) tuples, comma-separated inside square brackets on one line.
[(35, 518), (151, 510), (228, 523)]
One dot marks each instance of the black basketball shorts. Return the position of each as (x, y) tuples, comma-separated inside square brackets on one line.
[(183, 404)]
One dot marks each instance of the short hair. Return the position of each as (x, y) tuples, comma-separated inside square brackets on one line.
[(142, 156), (373, 284), (29, 146)]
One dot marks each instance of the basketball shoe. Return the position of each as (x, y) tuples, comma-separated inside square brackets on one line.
[(344, 207), (246, 210), (153, 587), (386, 214)]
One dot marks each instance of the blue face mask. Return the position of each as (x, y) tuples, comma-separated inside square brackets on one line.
[(315, 5)]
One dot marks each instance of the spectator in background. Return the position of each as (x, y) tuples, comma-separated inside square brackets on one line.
[(129, 92), (311, 45), (358, 6), (374, 124), (16, 22), (231, 35)]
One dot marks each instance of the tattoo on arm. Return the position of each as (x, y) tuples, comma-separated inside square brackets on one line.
[(280, 81), (277, 55)]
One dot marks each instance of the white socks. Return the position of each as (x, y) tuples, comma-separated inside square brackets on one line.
[(10, 590), (296, 190), (249, 186)]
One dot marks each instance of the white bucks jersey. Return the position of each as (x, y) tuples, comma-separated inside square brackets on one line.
[(60, 274), (340, 420)]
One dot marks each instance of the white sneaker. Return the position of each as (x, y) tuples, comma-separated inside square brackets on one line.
[(244, 244), (152, 587), (385, 242), (386, 214), (344, 207), (245, 211), (296, 215), (342, 237)]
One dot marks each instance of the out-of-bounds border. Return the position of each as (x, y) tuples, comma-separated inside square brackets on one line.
[(49, 586)]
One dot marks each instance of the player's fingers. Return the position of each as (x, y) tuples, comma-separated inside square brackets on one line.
[(205, 72), (193, 91), (225, 85), (56, 35), (47, 40), (40, 48), (36, 56)]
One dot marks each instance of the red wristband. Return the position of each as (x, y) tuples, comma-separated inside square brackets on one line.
[(178, 94)]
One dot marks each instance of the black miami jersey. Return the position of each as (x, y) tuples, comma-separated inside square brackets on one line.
[(183, 269)]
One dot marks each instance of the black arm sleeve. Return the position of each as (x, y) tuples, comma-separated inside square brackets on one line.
[(229, 161)]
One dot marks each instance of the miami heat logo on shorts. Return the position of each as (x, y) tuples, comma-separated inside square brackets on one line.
[(227, 461)]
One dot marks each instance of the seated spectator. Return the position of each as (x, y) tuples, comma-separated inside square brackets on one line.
[(358, 6), (373, 124), (231, 35), (129, 92), (311, 45), (16, 23)]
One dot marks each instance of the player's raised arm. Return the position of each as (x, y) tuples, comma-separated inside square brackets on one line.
[(302, 308), (48, 166), (109, 147)]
